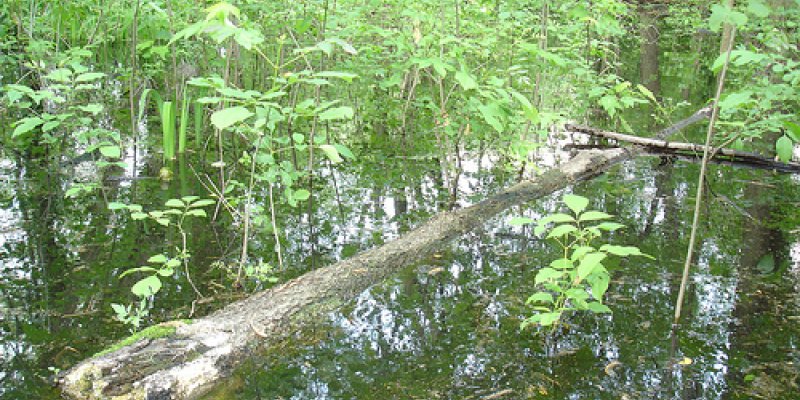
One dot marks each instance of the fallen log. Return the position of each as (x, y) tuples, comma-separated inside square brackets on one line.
[(690, 149), (191, 361)]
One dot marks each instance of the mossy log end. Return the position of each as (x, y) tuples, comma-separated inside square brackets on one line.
[(188, 363)]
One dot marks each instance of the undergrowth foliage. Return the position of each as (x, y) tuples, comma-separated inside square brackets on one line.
[(578, 280)]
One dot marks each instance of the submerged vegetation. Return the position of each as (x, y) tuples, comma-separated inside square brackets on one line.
[(262, 118)]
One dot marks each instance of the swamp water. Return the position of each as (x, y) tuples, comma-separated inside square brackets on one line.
[(449, 327)]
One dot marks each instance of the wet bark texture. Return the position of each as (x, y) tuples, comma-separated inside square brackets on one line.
[(188, 363)]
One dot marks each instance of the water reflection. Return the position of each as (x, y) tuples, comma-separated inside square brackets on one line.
[(449, 328)]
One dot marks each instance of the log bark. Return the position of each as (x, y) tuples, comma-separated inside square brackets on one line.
[(190, 362), (690, 149)]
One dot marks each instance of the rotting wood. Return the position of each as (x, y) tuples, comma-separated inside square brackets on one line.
[(690, 149), (190, 362)]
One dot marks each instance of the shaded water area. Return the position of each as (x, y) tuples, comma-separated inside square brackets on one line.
[(449, 328)]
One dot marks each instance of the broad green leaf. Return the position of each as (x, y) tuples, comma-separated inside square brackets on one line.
[(623, 251), (119, 309), (561, 230), (111, 151), (547, 274), (203, 203), (197, 213), (581, 251), (576, 203), (540, 297), (230, 116), (492, 115), (518, 221), (547, 319), (347, 76), (598, 307), (116, 206), (793, 130), (647, 93), (758, 8), (784, 148), (331, 152), (559, 218), (26, 125), (562, 263), (609, 226), (588, 264), (301, 195), (593, 216), (599, 283), (343, 150), (736, 100), (143, 268), (248, 38), (89, 76), (177, 203), (157, 259), (466, 80), (172, 263), (138, 216), (147, 286), (298, 137), (62, 75), (163, 221), (336, 113)]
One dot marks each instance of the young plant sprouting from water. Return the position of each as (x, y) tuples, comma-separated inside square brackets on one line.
[(578, 280), (160, 265)]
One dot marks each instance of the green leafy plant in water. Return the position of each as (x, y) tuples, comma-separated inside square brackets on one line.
[(579, 280), (160, 265)]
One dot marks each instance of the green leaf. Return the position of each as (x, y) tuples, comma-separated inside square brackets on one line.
[(623, 251), (576, 203), (343, 150), (609, 226), (588, 264), (336, 113), (26, 125), (347, 76), (466, 80), (147, 286), (547, 319), (547, 274), (116, 206), (197, 213), (172, 263), (593, 216), (784, 147), (598, 308), (561, 230), (518, 221), (230, 116), (758, 8), (493, 116), (559, 218), (562, 263), (331, 152), (301, 195), (62, 75), (599, 283), (540, 297), (138, 216), (111, 151), (177, 203), (203, 203), (143, 268), (736, 100), (793, 130), (298, 137), (157, 259), (89, 76)]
